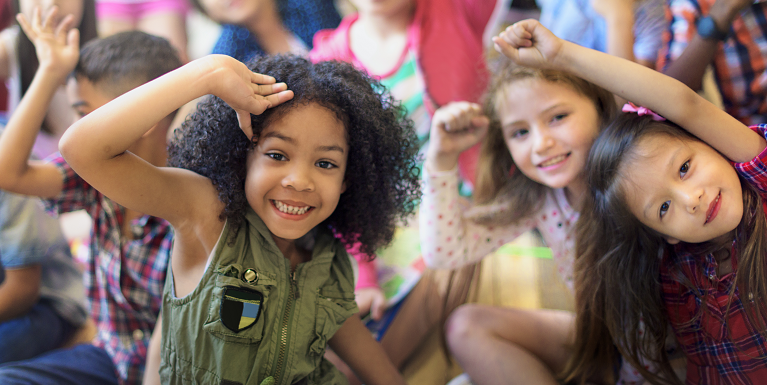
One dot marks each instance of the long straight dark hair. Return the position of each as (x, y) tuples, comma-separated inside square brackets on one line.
[(619, 308), (26, 50)]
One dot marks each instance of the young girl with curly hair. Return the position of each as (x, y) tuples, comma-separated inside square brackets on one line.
[(267, 181), (673, 230)]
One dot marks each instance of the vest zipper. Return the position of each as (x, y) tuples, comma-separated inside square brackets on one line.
[(292, 295)]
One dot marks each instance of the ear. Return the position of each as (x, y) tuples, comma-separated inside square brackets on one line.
[(343, 187), (672, 241)]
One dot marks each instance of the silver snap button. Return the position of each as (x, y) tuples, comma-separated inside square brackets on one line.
[(711, 277), (138, 335), (138, 231), (250, 276)]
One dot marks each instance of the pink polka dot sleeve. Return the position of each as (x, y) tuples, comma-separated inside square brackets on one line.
[(448, 239)]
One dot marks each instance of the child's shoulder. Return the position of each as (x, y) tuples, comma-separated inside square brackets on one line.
[(333, 44)]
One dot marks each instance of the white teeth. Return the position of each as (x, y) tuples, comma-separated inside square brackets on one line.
[(288, 209), (553, 160)]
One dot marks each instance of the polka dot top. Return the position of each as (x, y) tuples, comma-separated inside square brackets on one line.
[(451, 239)]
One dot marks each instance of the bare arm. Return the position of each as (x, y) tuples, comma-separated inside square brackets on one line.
[(690, 66), (57, 50), (96, 146), (19, 292), (354, 344), (529, 43), (619, 17), (153, 356)]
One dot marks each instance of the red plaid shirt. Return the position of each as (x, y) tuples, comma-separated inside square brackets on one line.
[(719, 350), (124, 278), (740, 61)]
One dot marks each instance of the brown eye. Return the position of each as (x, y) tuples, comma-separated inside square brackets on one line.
[(664, 208), (685, 167)]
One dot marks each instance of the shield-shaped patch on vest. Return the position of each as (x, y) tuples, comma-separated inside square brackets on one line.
[(240, 308)]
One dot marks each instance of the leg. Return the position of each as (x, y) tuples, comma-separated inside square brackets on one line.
[(510, 346), (427, 305), (81, 365), (32, 334)]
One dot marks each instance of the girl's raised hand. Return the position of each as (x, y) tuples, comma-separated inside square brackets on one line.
[(57, 44), (455, 128), (528, 43), (245, 91)]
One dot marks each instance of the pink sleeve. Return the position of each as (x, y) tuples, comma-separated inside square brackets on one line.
[(368, 272), (448, 239)]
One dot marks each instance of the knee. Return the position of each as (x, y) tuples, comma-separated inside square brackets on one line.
[(464, 324)]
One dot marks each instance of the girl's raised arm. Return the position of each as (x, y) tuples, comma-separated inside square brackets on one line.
[(530, 44), (97, 146)]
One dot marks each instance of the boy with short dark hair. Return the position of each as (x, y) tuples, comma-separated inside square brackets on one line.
[(129, 251)]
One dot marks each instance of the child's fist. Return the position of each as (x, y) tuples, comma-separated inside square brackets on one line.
[(455, 128), (528, 43)]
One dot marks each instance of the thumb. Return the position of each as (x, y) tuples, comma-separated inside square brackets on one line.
[(505, 49), (244, 120), (73, 38), (378, 307), (480, 121)]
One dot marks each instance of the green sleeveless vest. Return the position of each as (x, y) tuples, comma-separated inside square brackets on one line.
[(250, 318)]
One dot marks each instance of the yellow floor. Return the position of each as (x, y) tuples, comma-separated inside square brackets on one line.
[(520, 280)]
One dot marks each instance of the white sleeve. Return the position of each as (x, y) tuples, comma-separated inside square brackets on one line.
[(450, 240)]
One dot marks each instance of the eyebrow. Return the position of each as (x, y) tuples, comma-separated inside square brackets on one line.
[(542, 112), (290, 140), (671, 165), (79, 103)]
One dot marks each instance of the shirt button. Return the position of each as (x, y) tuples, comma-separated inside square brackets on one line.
[(138, 231), (138, 335), (250, 276)]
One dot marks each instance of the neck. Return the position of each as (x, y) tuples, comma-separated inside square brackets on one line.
[(290, 250), (269, 31), (576, 192), (382, 26)]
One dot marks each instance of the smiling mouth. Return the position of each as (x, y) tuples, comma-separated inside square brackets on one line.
[(713, 208), (292, 210), (555, 160)]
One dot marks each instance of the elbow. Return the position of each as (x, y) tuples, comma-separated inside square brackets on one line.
[(66, 144)]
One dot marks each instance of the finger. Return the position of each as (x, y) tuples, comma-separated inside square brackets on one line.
[(73, 38), (504, 48), (26, 27), (65, 25), (261, 78), (279, 98), (37, 16), (268, 89), (50, 17), (244, 120), (377, 307)]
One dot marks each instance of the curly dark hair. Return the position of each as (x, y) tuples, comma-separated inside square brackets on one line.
[(381, 175)]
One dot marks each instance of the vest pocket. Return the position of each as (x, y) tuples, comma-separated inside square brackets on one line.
[(333, 309), (236, 312)]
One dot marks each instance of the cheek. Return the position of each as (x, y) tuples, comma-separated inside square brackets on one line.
[(519, 152)]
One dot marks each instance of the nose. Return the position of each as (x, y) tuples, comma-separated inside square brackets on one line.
[(690, 197), (298, 178), (542, 139)]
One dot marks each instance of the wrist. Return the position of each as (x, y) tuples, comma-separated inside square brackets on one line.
[(621, 16), (439, 162)]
